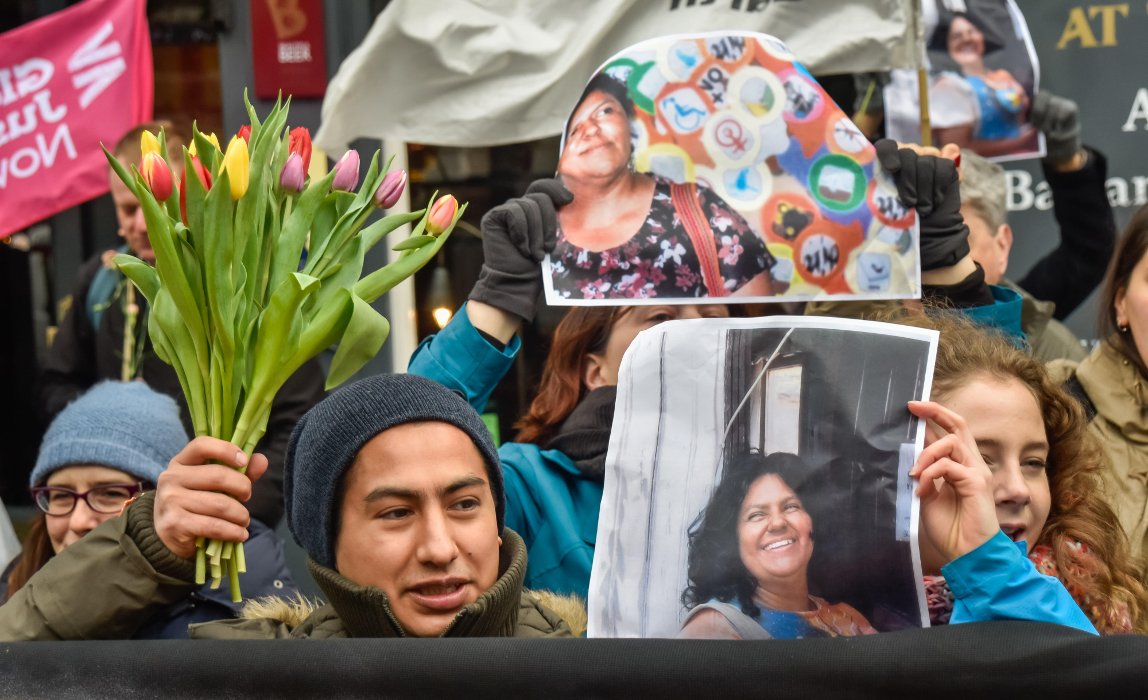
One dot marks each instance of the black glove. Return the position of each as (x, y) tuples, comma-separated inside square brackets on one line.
[(1059, 119), (516, 236), (930, 185)]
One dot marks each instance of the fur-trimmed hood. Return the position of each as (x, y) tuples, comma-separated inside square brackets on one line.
[(295, 610)]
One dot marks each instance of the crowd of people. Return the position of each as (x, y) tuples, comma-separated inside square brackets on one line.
[(416, 524)]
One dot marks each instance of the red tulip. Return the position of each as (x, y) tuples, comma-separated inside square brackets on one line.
[(204, 178), (245, 133), (441, 215), (299, 141), (392, 188), (157, 175)]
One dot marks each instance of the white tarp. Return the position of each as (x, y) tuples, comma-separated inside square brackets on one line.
[(489, 72)]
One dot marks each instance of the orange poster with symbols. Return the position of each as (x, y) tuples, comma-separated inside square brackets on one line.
[(715, 166)]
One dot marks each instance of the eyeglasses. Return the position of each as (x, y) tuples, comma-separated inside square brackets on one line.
[(107, 499)]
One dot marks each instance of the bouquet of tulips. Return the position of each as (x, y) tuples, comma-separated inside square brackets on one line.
[(258, 269)]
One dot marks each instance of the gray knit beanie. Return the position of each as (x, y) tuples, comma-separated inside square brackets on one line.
[(329, 436), (122, 425)]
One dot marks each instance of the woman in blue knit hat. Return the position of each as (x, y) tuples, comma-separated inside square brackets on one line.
[(104, 448)]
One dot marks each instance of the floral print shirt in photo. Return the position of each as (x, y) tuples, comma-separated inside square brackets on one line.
[(633, 271)]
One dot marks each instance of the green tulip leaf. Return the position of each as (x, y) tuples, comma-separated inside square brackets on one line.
[(413, 242), (142, 275), (364, 336)]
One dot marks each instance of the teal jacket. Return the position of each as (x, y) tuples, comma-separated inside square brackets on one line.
[(996, 581), (1004, 315), (548, 500)]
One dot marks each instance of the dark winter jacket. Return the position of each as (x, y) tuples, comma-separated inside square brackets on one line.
[(1068, 274)]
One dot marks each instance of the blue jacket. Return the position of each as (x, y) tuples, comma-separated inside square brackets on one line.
[(1004, 315), (996, 581), (548, 500), (267, 575)]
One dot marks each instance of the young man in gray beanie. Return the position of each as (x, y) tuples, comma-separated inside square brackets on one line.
[(393, 487)]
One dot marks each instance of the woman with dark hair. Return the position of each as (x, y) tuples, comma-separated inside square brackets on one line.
[(749, 559), (701, 245), (1112, 382), (1000, 102)]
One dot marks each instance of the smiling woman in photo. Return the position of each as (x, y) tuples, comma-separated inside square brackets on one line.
[(998, 121), (749, 560)]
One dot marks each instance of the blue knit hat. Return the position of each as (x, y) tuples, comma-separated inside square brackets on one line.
[(329, 436), (121, 425)]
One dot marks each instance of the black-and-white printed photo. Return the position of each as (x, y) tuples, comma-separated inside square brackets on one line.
[(757, 482)]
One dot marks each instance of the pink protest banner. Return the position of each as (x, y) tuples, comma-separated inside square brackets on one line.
[(68, 82)]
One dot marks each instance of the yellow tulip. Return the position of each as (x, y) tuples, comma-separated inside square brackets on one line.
[(210, 137), (237, 165), (148, 143)]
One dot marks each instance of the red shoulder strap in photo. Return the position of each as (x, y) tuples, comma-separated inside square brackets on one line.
[(689, 210)]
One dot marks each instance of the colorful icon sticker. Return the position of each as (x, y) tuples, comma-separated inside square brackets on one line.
[(787, 215), (804, 100), (888, 207), (683, 109), (776, 48), (666, 160), (680, 58), (820, 256), (758, 92), (730, 140), (874, 271), (732, 50), (746, 188), (644, 83), (713, 80), (842, 136), (837, 182)]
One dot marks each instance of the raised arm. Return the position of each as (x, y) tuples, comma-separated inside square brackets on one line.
[(1087, 228), (477, 348)]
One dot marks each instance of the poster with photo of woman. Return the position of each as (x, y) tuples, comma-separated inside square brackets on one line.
[(714, 166), (983, 75), (757, 482)]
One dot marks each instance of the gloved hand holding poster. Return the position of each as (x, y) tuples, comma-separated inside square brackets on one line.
[(714, 165), (756, 460), (983, 78)]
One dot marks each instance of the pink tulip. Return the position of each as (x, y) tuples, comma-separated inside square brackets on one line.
[(441, 215), (293, 177), (245, 133), (347, 172), (392, 188), (157, 176)]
